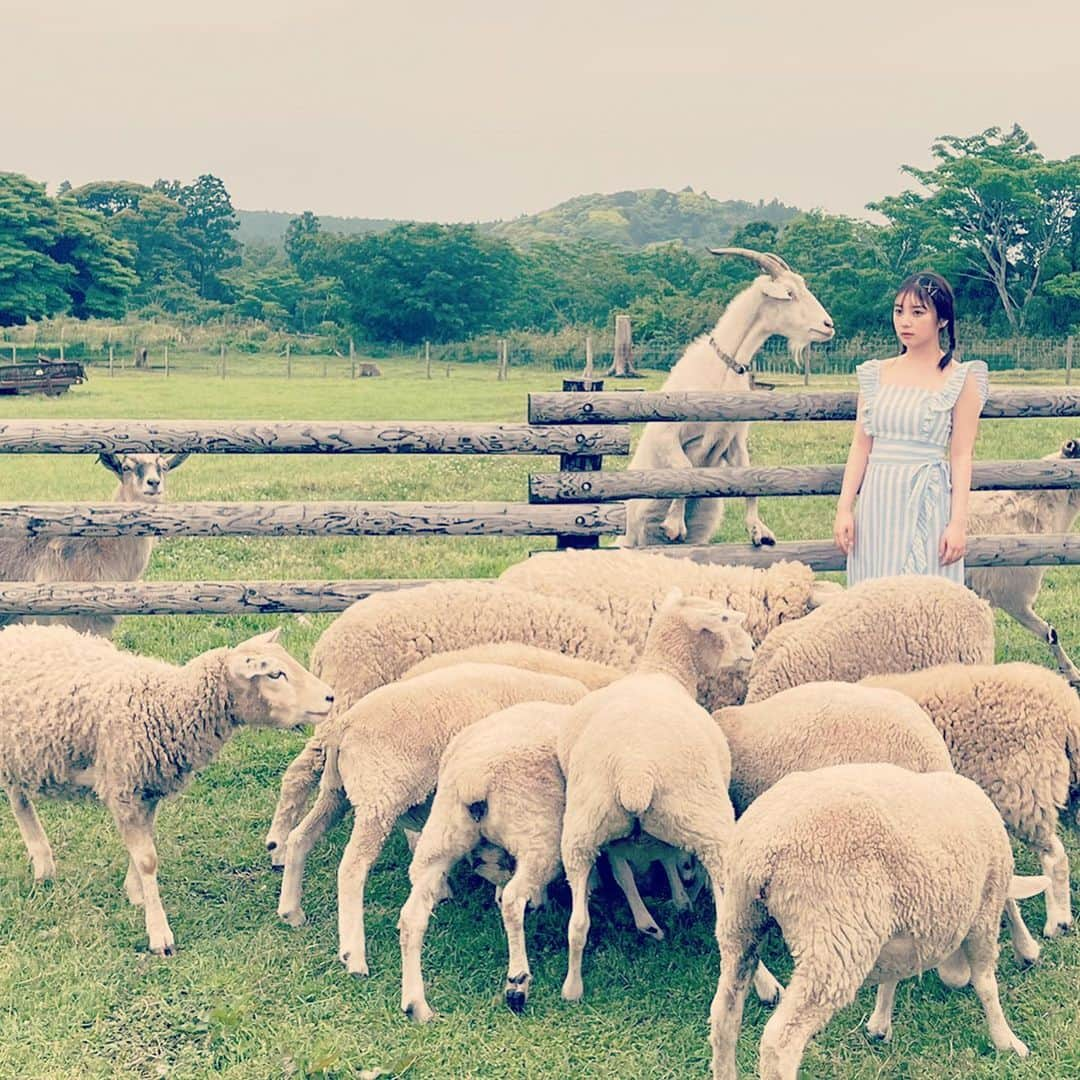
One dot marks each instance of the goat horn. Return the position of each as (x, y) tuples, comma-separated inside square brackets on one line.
[(770, 263)]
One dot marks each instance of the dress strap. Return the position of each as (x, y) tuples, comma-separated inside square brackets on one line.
[(948, 395), (868, 375)]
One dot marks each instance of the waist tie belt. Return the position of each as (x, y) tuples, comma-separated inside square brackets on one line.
[(930, 477)]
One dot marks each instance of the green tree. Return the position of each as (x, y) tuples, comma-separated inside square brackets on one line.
[(57, 257), (994, 209), (299, 235)]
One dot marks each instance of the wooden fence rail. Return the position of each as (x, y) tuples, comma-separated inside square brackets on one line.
[(575, 487), (623, 408)]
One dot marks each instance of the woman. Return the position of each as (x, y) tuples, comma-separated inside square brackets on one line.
[(910, 459)]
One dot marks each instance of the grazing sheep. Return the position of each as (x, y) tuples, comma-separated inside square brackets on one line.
[(513, 654), (1015, 730), (89, 558), (382, 759), (873, 873), (626, 588), (883, 625), (1015, 588), (78, 716), (777, 302), (378, 639), (642, 753)]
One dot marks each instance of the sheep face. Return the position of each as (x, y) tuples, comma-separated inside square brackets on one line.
[(142, 476), (269, 688)]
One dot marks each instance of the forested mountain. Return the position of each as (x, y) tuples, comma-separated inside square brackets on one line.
[(268, 226)]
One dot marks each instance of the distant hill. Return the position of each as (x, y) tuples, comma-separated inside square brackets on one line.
[(627, 218)]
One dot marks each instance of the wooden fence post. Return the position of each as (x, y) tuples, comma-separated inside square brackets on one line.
[(427, 357), (352, 359), (14, 353), (579, 463), (110, 361), (1068, 359), (223, 361), (166, 359), (288, 360)]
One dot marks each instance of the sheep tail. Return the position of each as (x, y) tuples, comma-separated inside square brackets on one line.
[(472, 786), (634, 790), (1020, 888)]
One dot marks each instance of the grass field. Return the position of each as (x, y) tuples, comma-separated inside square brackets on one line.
[(248, 997)]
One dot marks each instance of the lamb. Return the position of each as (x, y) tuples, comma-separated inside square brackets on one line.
[(872, 872), (500, 785), (777, 302), (382, 758), (378, 639), (78, 716), (1015, 588), (530, 657), (642, 753), (1015, 730), (892, 624), (626, 587), (87, 558)]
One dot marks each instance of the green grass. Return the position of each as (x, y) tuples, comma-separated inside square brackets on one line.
[(247, 997)]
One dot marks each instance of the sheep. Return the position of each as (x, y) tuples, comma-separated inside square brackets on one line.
[(642, 753), (88, 558), (777, 302), (378, 639), (514, 654), (1015, 730), (500, 788), (382, 759), (1015, 588), (626, 587), (873, 873), (78, 716), (882, 625)]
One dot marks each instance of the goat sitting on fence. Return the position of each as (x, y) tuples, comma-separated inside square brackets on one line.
[(777, 302), (83, 558)]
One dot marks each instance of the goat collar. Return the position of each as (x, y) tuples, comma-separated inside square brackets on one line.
[(739, 369)]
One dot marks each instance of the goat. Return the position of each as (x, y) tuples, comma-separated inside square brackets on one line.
[(777, 302), (81, 558)]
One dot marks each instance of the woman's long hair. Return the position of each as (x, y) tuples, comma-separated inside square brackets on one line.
[(935, 292)]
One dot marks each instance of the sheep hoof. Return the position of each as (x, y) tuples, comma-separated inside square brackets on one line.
[(653, 932), (168, 949), (572, 991), (1057, 927), (515, 1001), (879, 1035), (359, 968), (1017, 1046), (762, 537), (293, 918), (418, 1011)]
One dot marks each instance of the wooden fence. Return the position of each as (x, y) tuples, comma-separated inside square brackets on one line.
[(579, 504)]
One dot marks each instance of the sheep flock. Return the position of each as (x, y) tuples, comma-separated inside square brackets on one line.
[(838, 770)]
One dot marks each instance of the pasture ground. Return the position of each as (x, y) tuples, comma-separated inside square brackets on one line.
[(247, 997)]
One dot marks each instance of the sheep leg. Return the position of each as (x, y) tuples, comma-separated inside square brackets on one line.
[(1025, 947), (738, 960), (133, 885), (879, 1026), (37, 843), (670, 862), (980, 948), (136, 825), (330, 807), (1055, 865), (530, 879), (801, 1014), (624, 878), (440, 845), (738, 456), (1025, 615), (297, 783), (674, 523), (368, 837), (577, 874)]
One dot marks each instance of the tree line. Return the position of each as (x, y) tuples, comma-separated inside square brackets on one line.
[(992, 213)]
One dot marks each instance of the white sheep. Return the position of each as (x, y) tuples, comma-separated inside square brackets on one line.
[(513, 654), (626, 587), (378, 639), (90, 558), (777, 302), (382, 759), (1015, 588), (642, 753), (883, 625), (1015, 730), (873, 873), (77, 716)]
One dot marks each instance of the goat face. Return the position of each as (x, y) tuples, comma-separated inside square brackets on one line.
[(789, 308), (142, 476)]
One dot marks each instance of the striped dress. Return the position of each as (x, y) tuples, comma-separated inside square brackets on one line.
[(905, 499)]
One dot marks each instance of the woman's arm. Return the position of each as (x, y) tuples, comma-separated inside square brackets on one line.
[(965, 427), (854, 471)]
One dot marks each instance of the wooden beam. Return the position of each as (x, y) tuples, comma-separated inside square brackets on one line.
[(302, 437), (614, 407), (309, 519), (573, 487)]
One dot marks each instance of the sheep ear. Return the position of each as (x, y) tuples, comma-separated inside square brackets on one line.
[(1020, 888), (822, 591), (244, 665), (269, 638), (172, 461), (111, 462)]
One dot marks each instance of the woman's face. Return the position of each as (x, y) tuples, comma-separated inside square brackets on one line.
[(915, 321)]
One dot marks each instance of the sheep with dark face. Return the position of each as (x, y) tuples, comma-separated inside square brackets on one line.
[(88, 558)]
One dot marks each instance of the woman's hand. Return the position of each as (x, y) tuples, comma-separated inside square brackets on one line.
[(843, 530), (953, 543)]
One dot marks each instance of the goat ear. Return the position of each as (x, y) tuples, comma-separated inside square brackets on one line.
[(111, 462), (173, 460), (776, 290)]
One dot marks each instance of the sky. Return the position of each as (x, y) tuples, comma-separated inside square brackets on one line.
[(473, 111)]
